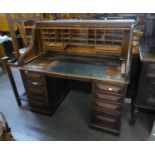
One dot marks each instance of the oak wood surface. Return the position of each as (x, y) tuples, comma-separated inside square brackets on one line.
[(104, 44)]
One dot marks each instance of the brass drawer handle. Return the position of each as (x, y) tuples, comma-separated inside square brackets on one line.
[(36, 83)]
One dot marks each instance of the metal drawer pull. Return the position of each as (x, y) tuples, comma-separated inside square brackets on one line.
[(36, 83), (110, 89)]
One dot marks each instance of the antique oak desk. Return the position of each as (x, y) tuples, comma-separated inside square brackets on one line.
[(84, 50)]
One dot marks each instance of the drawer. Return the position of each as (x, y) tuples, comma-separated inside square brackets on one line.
[(38, 104), (35, 84), (35, 87), (106, 123), (106, 119), (36, 98), (109, 87), (107, 105), (108, 96), (33, 76), (102, 113)]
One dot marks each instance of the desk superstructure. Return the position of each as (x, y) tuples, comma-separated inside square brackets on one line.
[(84, 50)]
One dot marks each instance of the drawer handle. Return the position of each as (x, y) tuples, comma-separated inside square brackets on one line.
[(36, 83)]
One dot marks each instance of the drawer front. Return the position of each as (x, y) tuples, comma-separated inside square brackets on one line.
[(35, 84), (38, 104), (35, 87), (108, 96), (106, 119), (33, 76), (108, 123), (112, 87), (102, 113), (38, 99), (107, 105)]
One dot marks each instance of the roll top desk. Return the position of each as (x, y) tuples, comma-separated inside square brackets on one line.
[(84, 50)]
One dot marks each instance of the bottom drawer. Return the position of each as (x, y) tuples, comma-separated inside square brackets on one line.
[(106, 123), (38, 100), (106, 119)]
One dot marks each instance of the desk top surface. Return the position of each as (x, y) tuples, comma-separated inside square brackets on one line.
[(77, 68)]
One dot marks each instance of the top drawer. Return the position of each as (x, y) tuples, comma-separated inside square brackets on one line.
[(112, 87), (33, 76)]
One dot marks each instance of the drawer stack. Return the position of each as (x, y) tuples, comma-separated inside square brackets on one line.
[(36, 91), (108, 98)]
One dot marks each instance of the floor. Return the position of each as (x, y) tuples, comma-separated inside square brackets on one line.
[(69, 122)]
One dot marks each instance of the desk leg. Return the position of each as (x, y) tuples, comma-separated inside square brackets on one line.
[(11, 78)]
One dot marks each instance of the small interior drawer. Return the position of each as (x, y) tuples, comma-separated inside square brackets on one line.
[(107, 105), (108, 96)]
